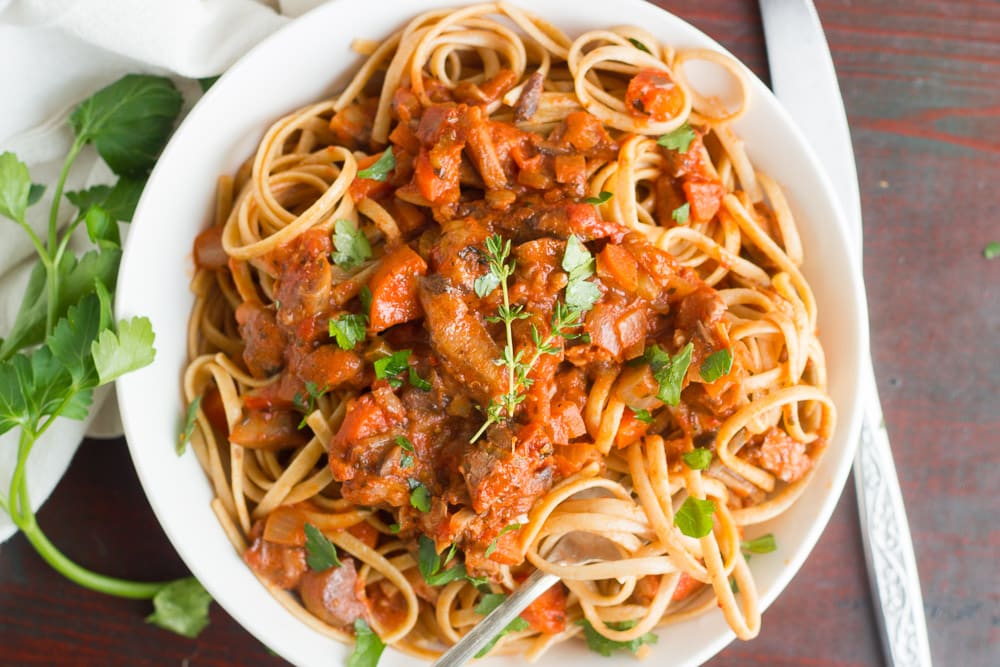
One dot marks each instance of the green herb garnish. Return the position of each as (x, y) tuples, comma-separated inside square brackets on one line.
[(348, 330), (694, 517), (486, 605), (429, 564), (599, 199), (391, 367), (381, 168), (351, 246), (187, 431), (681, 213), (321, 553), (368, 646), (669, 371), (992, 250), (307, 404), (716, 365), (182, 607), (698, 458), (764, 544), (506, 529), (678, 140), (642, 415), (639, 45), (420, 496), (600, 644)]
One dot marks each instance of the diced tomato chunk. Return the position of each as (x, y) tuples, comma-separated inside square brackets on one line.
[(630, 430), (704, 196), (547, 614), (394, 289), (652, 93)]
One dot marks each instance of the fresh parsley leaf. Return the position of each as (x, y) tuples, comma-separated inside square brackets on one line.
[(351, 247), (381, 168), (404, 443), (368, 646), (420, 497), (992, 250), (391, 367), (517, 625), (669, 372), (599, 199), (13, 406), (417, 381), (577, 260), (485, 606), (348, 330), (76, 280), (429, 564), (678, 140), (506, 529), (130, 349), (35, 193), (694, 517), (187, 430), (698, 458), (307, 404), (485, 284), (365, 299), (642, 415), (73, 337), (102, 229), (207, 82), (15, 187), (321, 553), (582, 295), (681, 213), (489, 602), (764, 544), (639, 45), (733, 585), (716, 365), (129, 121), (182, 607), (600, 644), (119, 201), (394, 528)]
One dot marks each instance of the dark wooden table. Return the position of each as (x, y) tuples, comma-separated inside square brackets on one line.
[(922, 86)]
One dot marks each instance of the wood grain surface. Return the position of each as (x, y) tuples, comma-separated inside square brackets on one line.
[(921, 81)]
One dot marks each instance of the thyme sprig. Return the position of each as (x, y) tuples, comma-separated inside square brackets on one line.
[(565, 319)]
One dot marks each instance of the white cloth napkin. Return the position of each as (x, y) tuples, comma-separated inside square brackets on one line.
[(56, 53)]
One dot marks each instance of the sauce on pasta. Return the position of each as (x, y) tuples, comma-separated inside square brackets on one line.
[(508, 285)]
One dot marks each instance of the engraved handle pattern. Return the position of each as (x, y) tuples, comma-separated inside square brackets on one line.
[(892, 567)]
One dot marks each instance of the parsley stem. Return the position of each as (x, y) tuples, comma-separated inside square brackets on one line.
[(134, 590), (511, 363), (43, 256), (52, 273)]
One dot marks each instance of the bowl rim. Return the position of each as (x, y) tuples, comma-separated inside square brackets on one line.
[(129, 303)]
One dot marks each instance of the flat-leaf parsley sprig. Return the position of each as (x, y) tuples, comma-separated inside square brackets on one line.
[(581, 295), (64, 342)]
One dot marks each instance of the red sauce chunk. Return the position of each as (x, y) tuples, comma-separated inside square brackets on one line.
[(653, 94)]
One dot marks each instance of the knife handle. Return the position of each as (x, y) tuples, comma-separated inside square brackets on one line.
[(892, 568)]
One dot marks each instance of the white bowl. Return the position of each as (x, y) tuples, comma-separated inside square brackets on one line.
[(310, 59)]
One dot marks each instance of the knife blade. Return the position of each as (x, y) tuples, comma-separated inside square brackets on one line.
[(805, 82)]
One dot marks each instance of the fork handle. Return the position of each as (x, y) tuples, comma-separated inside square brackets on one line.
[(497, 620)]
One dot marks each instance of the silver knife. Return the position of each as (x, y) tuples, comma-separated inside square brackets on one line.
[(804, 80)]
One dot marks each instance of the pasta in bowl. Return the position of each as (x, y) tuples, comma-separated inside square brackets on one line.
[(502, 285)]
